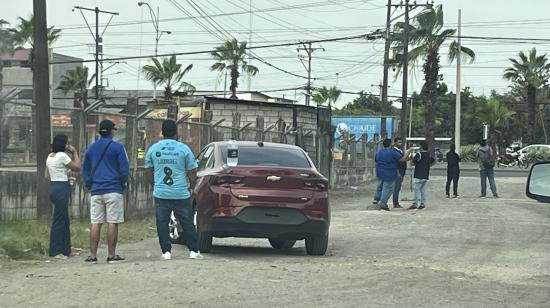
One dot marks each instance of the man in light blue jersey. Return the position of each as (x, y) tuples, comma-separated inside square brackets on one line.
[(173, 167)]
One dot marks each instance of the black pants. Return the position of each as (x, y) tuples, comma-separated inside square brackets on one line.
[(453, 176)]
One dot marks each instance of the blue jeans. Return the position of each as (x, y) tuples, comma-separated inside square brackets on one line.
[(183, 211), (420, 191), (378, 191), (387, 190), (60, 235), (488, 174), (397, 189)]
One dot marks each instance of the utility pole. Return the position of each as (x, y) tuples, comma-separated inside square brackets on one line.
[(405, 67), (403, 123), (41, 98), (383, 127), (309, 50), (458, 98), (98, 40)]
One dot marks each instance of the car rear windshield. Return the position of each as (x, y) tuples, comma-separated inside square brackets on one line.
[(270, 156)]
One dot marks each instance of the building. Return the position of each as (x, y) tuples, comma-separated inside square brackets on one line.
[(16, 144)]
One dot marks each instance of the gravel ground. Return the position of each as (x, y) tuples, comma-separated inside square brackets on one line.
[(464, 252)]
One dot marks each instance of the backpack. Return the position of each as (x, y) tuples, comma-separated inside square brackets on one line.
[(487, 160)]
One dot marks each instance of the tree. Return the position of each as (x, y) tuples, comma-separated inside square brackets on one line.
[(168, 73), (74, 80), (426, 35), (531, 73), (326, 95), (497, 115), (366, 104), (231, 55), (23, 33)]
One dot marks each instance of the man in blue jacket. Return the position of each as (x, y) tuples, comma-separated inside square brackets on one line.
[(105, 171), (386, 171)]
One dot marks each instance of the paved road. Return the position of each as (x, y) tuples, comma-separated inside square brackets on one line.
[(464, 252)]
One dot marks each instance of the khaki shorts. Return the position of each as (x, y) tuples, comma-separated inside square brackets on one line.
[(107, 208)]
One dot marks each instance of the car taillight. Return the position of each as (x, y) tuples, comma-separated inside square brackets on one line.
[(227, 179), (321, 185)]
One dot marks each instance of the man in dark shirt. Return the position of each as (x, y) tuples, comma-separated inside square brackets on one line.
[(401, 169), (453, 171), (386, 171), (422, 163)]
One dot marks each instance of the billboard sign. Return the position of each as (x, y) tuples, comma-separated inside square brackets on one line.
[(359, 125)]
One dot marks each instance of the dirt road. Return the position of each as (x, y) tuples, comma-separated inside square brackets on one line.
[(464, 252)]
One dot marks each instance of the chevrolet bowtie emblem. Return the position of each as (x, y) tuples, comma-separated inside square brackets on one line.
[(273, 178)]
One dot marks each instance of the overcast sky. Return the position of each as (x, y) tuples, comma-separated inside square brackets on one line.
[(352, 65)]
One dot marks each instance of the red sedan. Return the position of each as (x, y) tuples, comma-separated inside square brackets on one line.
[(273, 191)]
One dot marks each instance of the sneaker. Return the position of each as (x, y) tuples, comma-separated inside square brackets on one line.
[(61, 257), (115, 259), (455, 196), (195, 255), (413, 207), (385, 208), (375, 202), (448, 196), (496, 196), (91, 260), (481, 196), (166, 256), (397, 206), (421, 207)]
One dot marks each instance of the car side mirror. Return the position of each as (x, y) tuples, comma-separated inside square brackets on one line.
[(538, 183)]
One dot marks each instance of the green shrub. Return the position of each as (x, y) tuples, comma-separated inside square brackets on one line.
[(468, 152), (538, 155)]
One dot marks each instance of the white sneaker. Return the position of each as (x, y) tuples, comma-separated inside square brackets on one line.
[(166, 256), (195, 255)]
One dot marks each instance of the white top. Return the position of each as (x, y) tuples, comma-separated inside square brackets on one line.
[(57, 166)]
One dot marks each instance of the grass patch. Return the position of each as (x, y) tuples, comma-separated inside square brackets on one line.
[(29, 239)]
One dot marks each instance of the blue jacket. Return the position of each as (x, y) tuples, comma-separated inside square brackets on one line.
[(386, 164), (112, 172)]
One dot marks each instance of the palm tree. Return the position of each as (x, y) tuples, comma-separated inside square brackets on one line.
[(74, 80), (426, 35), (530, 73), (497, 115), (170, 74), (326, 95), (23, 34), (231, 55)]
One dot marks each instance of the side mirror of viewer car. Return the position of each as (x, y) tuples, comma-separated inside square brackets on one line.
[(538, 182)]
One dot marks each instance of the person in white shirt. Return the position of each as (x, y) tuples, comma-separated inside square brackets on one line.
[(58, 165)]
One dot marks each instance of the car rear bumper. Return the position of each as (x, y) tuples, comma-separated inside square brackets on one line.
[(259, 222)]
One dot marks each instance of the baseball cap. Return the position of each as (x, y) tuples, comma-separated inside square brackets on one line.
[(106, 126)]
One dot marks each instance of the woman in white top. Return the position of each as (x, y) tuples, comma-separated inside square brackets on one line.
[(58, 165)]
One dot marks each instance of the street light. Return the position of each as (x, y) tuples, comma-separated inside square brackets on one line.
[(155, 20), (158, 34)]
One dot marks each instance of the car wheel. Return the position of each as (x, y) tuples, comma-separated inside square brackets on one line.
[(317, 245), (204, 239), (281, 244)]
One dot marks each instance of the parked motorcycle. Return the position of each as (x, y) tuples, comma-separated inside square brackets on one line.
[(511, 160)]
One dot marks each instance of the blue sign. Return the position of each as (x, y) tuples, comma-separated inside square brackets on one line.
[(360, 125)]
